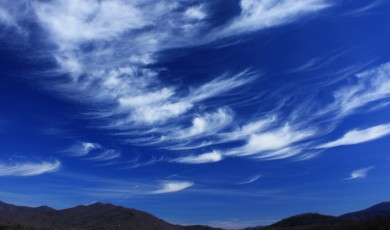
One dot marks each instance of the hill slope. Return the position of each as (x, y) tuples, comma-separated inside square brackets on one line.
[(382, 209), (95, 216), (110, 217)]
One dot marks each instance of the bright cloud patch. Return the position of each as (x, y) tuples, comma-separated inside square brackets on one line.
[(28, 168), (78, 21), (173, 186), (256, 15), (82, 148), (272, 140), (211, 157), (107, 52), (372, 85), (251, 180), (359, 173), (107, 155), (360, 136)]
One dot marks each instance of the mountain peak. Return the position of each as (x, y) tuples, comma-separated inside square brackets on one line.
[(307, 219), (381, 209), (103, 215)]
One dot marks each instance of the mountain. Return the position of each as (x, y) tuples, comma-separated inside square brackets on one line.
[(321, 222), (309, 219), (101, 216), (95, 216), (382, 209), (305, 221), (376, 217), (4, 207)]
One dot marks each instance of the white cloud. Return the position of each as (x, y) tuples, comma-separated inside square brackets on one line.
[(372, 85), (147, 107), (107, 155), (196, 12), (142, 99), (160, 113), (206, 124), (284, 153), (260, 14), (248, 129), (220, 85), (75, 21), (107, 47), (250, 180), (28, 168), (173, 186), (359, 173), (5, 18), (94, 151), (359, 136), (210, 123), (82, 148), (276, 139), (204, 158), (151, 98), (8, 19), (366, 9)]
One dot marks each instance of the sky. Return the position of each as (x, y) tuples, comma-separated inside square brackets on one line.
[(229, 113)]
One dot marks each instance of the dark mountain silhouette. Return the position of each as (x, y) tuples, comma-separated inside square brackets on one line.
[(4, 207), (305, 221), (96, 216), (382, 209), (101, 216), (374, 218)]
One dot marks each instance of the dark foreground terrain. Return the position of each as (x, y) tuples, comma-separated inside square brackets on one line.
[(374, 218), (109, 217), (97, 216)]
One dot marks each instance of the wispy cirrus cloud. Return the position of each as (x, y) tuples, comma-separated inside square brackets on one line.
[(101, 64), (82, 148), (367, 8), (9, 20), (125, 79), (28, 168), (359, 173), (369, 86), (359, 136), (107, 155), (204, 125), (256, 15), (93, 151), (279, 136), (6, 19), (250, 180), (79, 21), (204, 158), (278, 139), (173, 186)]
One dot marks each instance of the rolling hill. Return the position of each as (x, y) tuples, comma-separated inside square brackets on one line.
[(95, 216), (101, 216)]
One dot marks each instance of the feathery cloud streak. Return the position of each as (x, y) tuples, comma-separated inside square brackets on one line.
[(359, 173), (133, 99), (359, 136), (250, 180), (173, 186), (256, 15), (82, 148), (28, 168), (211, 157)]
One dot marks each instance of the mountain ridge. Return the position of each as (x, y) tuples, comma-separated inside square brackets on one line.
[(101, 216), (105, 216), (381, 209)]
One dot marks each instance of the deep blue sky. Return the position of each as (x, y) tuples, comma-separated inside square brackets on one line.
[(229, 113)]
